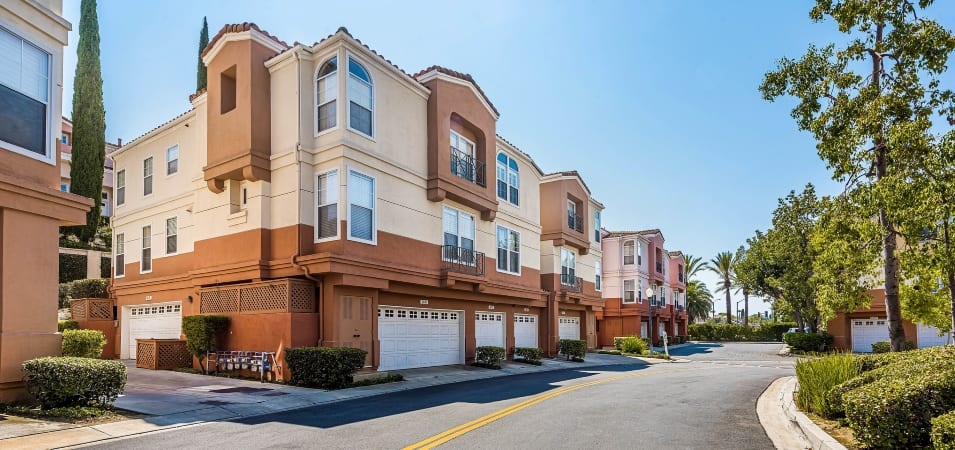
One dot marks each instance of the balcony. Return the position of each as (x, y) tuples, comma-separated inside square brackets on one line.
[(680, 277), (571, 283), (467, 167), (659, 267), (575, 222), (462, 260)]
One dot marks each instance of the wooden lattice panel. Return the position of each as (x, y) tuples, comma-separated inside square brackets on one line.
[(172, 354), (146, 354), (264, 298), (302, 297), (219, 301), (101, 309), (78, 309)]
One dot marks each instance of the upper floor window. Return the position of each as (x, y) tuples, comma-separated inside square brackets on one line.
[(463, 163), (360, 98), (568, 267), (120, 187), (146, 261), (628, 252), (326, 92), (458, 235), (172, 160), (597, 275), (120, 264), (64, 187), (104, 203), (65, 139), (24, 96), (361, 207), (629, 291), (508, 179), (596, 226), (148, 176), (326, 204), (172, 235), (639, 255), (640, 291), (508, 250)]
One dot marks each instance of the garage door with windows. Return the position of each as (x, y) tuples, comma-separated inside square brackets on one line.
[(866, 332), (928, 336), (414, 337), (160, 321), (489, 329), (525, 330), (568, 328)]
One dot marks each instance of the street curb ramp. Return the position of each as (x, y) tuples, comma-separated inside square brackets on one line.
[(785, 425)]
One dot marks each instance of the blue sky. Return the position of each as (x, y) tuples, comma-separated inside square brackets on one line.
[(655, 103)]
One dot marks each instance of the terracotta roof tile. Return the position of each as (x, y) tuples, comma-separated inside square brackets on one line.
[(522, 152), (461, 76), (239, 28), (571, 173), (133, 141), (196, 94), (622, 233), (373, 51)]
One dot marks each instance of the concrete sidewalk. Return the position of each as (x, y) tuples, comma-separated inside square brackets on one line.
[(174, 399)]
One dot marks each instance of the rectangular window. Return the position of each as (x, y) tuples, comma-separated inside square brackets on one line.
[(629, 290), (361, 207), (462, 157), (640, 291), (172, 242), (508, 250), (146, 262), (64, 187), (326, 91), (568, 267), (596, 226), (121, 187), (104, 204), (508, 179), (628, 252), (639, 255), (65, 139), (360, 98), (24, 96), (597, 275), (148, 176), (326, 204), (172, 160), (120, 265), (458, 236), (571, 214)]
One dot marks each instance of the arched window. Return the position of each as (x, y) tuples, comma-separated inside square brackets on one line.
[(326, 88), (360, 98), (508, 179)]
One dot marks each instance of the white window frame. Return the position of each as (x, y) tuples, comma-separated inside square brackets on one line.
[(374, 207), (598, 276), (348, 78), (624, 295), (596, 226), (50, 154), (507, 178), (639, 291), (573, 259), (497, 247), (105, 204), (458, 214), (166, 234), (338, 75), (337, 202), (639, 253), (634, 255), (120, 187), (119, 249), (168, 173), (147, 232), (472, 154), (151, 176)]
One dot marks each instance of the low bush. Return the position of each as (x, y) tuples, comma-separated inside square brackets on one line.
[(633, 345), (90, 288), (83, 343), (737, 332), (105, 267), (64, 325), (772, 331), (886, 347), (817, 376), (70, 381), (203, 333), (943, 432), (489, 356), (63, 296), (531, 355), (390, 378), (809, 342), (609, 352), (573, 349), (324, 367), (871, 367)]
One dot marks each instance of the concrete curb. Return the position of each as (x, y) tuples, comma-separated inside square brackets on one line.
[(785, 425)]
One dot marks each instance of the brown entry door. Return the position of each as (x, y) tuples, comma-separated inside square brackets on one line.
[(355, 325)]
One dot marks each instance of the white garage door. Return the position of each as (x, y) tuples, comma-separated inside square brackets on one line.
[(525, 330), (489, 329), (160, 321), (412, 337), (928, 337), (569, 328), (866, 332)]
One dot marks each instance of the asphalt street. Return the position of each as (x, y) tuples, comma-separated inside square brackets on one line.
[(709, 402)]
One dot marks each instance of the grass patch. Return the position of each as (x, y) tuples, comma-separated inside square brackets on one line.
[(69, 414), (817, 376), (528, 361), (609, 352), (390, 378), (188, 370), (487, 366)]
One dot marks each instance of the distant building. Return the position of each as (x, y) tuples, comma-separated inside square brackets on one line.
[(64, 146)]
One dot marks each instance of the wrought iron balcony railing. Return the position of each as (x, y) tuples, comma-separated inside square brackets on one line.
[(468, 167), (571, 283), (575, 222), (659, 267), (462, 260)]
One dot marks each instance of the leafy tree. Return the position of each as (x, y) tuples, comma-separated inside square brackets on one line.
[(869, 105), (201, 67), (89, 120), (722, 266), (740, 283)]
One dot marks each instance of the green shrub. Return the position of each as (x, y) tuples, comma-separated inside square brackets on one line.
[(531, 355), (64, 325), (809, 342), (63, 295), (574, 349), (105, 267), (886, 347), (489, 356), (90, 288), (633, 345), (324, 367), (818, 376), (874, 367), (943, 431), (69, 381), (72, 267), (203, 334), (727, 332), (83, 343), (772, 331)]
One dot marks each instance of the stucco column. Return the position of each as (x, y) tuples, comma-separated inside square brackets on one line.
[(551, 313)]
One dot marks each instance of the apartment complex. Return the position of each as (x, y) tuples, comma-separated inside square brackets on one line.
[(319, 195), (64, 146), (635, 261), (32, 208), (858, 330)]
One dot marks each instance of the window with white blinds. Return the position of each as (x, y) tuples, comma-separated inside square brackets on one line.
[(458, 235), (146, 261), (326, 204), (120, 244), (148, 176), (360, 98), (508, 250), (361, 207), (629, 291), (24, 95), (172, 236)]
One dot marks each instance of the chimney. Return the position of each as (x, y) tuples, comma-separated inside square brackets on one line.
[(119, 142)]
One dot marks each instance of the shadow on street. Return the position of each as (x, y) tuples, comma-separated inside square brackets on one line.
[(695, 349)]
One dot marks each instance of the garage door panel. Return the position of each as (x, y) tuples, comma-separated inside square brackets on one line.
[(568, 328), (866, 332), (412, 337), (163, 321), (489, 329), (928, 337), (525, 330)]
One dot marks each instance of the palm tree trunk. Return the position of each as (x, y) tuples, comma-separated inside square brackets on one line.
[(729, 305)]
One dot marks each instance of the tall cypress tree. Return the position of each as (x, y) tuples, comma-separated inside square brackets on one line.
[(89, 120), (201, 68)]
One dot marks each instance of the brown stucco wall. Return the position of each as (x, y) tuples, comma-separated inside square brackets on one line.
[(554, 196), (841, 326)]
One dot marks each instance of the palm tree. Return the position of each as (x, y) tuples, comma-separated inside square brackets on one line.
[(722, 266), (699, 301), (693, 265)]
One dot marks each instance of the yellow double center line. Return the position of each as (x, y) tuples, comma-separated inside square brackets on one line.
[(462, 429)]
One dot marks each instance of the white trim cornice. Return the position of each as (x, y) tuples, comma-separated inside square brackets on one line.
[(252, 34), (435, 74)]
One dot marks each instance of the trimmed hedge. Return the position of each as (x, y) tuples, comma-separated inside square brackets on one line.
[(90, 288), (737, 332), (64, 325), (489, 356), (809, 342), (633, 344), (68, 381), (531, 355), (573, 349), (105, 267), (203, 333), (943, 432), (324, 367), (886, 347), (83, 343), (72, 267), (63, 295)]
